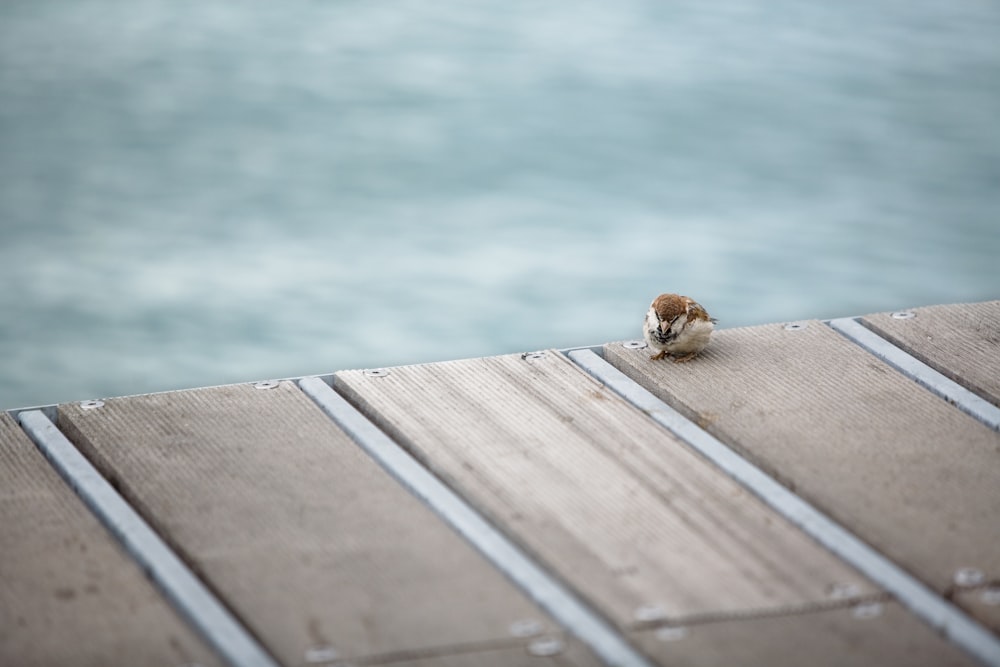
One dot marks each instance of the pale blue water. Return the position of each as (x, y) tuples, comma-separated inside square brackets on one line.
[(196, 193)]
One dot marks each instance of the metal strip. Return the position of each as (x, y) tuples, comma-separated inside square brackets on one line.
[(539, 585), (49, 411), (939, 384), (920, 599), (182, 588)]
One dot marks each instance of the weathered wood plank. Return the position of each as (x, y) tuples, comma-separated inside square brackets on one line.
[(68, 594), (907, 472), (961, 341), (312, 544), (598, 487), (642, 526), (882, 634)]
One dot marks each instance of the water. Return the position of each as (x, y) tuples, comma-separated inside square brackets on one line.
[(196, 193)]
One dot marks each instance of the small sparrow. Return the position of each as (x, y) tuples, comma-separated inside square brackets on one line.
[(677, 326)]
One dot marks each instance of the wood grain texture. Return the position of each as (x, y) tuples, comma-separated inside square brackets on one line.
[(68, 594), (835, 637), (961, 341), (901, 468), (301, 534), (596, 490)]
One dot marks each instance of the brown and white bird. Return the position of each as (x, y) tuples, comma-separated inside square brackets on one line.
[(676, 326)]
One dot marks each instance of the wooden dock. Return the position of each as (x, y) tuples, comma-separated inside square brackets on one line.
[(807, 493)]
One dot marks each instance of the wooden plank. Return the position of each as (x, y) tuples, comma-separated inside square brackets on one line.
[(907, 472), (643, 527), (68, 594), (598, 487), (312, 544), (961, 341), (550, 593), (881, 634)]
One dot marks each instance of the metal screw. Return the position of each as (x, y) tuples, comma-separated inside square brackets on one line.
[(649, 612), (321, 654), (867, 610), (376, 372), (526, 627), (903, 315), (545, 646), (671, 634), (90, 405), (633, 345), (531, 356), (990, 596), (968, 577), (265, 384), (843, 591), (795, 326)]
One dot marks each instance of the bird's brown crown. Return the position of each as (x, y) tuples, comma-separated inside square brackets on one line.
[(669, 306)]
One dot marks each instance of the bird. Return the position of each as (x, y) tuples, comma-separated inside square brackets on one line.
[(676, 326)]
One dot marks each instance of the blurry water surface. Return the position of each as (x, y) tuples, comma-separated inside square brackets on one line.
[(196, 193)]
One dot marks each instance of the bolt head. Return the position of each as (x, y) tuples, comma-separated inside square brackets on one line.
[(649, 612), (843, 591), (321, 654), (265, 384), (634, 345), (968, 577), (903, 315), (990, 596), (91, 405), (526, 627), (376, 372), (672, 634), (795, 326), (867, 610), (545, 646)]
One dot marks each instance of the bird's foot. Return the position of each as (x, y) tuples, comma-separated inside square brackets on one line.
[(659, 355)]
